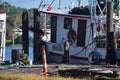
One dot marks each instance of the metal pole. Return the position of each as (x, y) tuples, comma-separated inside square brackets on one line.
[(111, 53), (60, 5)]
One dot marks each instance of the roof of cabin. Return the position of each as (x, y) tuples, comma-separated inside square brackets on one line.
[(64, 12), (3, 11)]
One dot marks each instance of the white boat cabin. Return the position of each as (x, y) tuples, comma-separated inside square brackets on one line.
[(2, 34), (74, 37)]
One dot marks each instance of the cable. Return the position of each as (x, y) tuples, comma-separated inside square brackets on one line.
[(40, 4), (52, 2), (84, 48), (44, 5)]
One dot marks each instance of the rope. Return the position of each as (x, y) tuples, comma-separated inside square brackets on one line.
[(40, 4), (84, 48), (52, 2), (44, 5)]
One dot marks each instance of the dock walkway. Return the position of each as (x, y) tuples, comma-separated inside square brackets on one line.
[(64, 70)]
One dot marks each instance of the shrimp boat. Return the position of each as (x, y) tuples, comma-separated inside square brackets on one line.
[(2, 34), (78, 35)]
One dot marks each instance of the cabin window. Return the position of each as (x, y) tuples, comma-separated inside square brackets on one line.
[(101, 41), (53, 28), (67, 23)]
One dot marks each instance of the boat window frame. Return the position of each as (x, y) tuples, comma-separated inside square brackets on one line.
[(100, 41), (67, 23)]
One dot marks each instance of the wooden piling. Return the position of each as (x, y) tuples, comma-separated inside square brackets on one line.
[(25, 32), (111, 53)]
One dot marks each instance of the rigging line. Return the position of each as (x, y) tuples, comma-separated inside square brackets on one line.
[(84, 48), (52, 2), (44, 5), (49, 5), (89, 36), (40, 4)]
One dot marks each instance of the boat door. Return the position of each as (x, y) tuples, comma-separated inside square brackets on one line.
[(81, 33)]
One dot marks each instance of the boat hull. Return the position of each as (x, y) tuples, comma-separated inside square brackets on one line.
[(76, 54)]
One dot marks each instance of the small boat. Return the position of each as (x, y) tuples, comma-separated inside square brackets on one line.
[(78, 35)]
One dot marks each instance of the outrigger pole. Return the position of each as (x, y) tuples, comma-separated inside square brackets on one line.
[(111, 49)]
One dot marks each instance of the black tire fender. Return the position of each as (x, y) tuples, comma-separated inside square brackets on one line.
[(93, 57)]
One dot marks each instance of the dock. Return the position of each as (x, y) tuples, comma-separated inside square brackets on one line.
[(65, 70)]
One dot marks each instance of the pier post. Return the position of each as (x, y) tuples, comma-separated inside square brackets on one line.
[(110, 49), (36, 53), (25, 32)]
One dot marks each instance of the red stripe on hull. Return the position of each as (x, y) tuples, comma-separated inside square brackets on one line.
[(77, 57)]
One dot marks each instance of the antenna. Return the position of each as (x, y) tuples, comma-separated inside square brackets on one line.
[(60, 4), (72, 4)]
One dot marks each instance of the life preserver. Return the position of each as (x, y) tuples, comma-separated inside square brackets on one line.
[(93, 58), (71, 35)]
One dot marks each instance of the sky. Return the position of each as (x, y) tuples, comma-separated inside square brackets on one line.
[(35, 3)]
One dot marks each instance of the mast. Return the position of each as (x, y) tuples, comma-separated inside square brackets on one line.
[(110, 49)]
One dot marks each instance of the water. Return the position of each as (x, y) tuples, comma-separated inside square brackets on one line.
[(9, 49)]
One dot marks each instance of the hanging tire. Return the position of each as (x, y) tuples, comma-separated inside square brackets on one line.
[(93, 58)]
